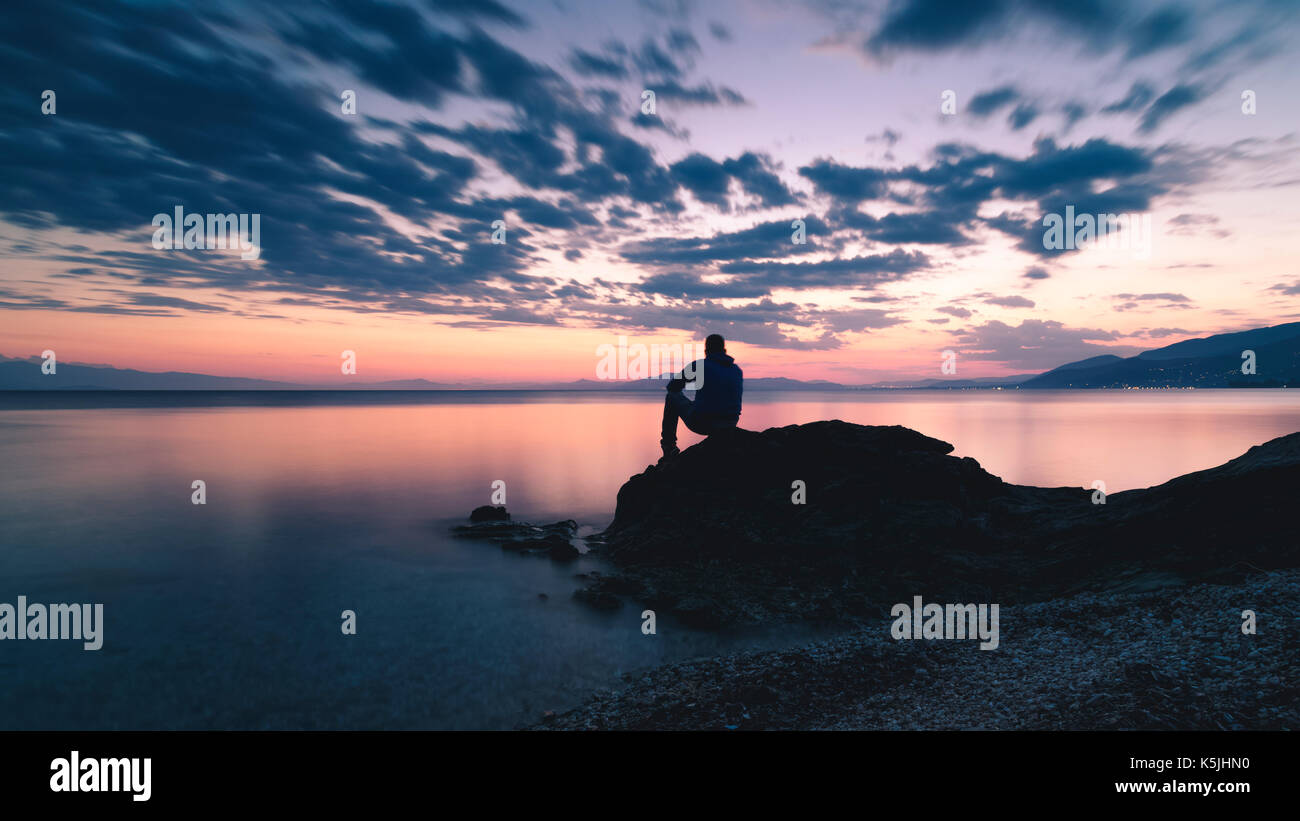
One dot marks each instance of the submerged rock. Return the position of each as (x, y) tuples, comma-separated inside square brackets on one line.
[(598, 599), (563, 552), (554, 540)]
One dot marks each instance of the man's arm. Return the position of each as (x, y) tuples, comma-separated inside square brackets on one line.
[(689, 374)]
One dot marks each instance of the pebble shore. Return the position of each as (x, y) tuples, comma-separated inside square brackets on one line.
[(1172, 659)]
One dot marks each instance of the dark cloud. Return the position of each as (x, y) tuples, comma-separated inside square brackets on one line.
[(268, 140), (567, 215), (1166, 297), (1251, 41), (758, 323), (1166, 105), (710, 180), (653, 122), (1161, 333), (534, 157), (1194, 220), (931, 25), (1035, 344), (1022, 115), (756, 174), (853, 272), (589, 64), (1021, 110), (846, 183), (703, 177), (989, 102), (1195, 225), (702, 94), (1097, 26), (660, 61), (1168, 301), (683, 285), (118, 310), (1163, 28), (952, 189), (158, 301), (24, 302), (1073, 111), (483, 9), (258, 143), (1010, 301), (1138, 97), (763, 241), (858, 321), (889, 137), (922, 228), (1051, 167)]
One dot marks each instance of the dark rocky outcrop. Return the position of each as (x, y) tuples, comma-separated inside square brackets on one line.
[(889, 513)]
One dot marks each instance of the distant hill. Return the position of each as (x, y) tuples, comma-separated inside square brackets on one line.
[(406, 384), (943, 384), (1091, 362), (26, 375), (1211, 362), (752, 383), (1226, 344)]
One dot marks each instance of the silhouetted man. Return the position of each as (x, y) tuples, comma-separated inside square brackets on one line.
[(717, 401)]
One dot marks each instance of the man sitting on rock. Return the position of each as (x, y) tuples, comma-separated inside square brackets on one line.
[(718, 383)]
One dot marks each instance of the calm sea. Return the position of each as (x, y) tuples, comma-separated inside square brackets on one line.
[(227, 615)]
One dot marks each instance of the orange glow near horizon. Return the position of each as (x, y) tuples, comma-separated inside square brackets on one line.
[(253, 335), (403, 347)]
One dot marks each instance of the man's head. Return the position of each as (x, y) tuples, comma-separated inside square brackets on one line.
[(714, 343)]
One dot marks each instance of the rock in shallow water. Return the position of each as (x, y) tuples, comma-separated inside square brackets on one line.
[(488, 513), (554, 540)]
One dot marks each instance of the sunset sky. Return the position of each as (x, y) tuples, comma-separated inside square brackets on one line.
[(924, 229)]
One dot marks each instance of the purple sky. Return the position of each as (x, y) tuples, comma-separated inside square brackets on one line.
[(924, 229)]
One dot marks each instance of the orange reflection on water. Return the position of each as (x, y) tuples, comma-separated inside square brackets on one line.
[(567, 454)]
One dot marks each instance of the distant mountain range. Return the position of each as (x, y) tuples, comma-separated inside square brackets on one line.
[(781, 383), (1212, 362), (25, 374)]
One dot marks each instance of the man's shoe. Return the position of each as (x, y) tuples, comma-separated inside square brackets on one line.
[(670, 453)]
